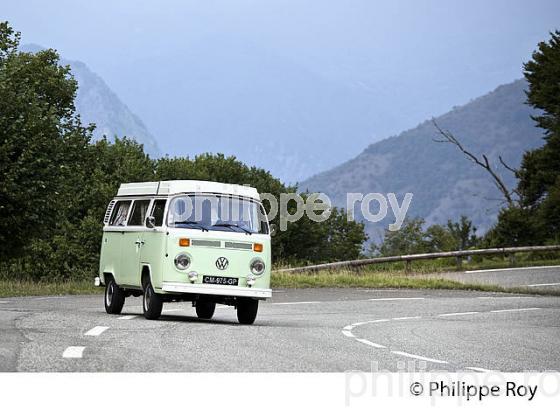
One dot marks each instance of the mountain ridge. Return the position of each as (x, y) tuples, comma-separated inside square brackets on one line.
[(97, 103), (444, 183)]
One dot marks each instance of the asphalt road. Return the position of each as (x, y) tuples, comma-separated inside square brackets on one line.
[(298, 330), (536, 277)]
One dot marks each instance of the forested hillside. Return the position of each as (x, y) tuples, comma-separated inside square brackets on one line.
[(444, 183)]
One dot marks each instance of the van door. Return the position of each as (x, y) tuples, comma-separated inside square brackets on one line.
[(152, 252), (113, 240), (133, 242)]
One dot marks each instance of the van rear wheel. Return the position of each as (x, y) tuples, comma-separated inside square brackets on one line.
[(152, 302), (247, 310), (114, 297), (205, 309)]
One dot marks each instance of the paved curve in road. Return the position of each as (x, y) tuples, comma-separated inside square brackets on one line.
[(540, 277), (298, 330)]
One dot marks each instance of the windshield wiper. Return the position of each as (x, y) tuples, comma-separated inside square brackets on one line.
[(197, 224), (230, 225)]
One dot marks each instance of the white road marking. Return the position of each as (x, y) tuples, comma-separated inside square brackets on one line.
[(386, 299), (375, 321), (505, 297), (508, 269), (294, 303), (126, 317), (513, 310), (480, 369), (222, 307), (413, 356), (171, 310), (369, 322), (96, 331), (544, 284), (50, 297), (73, 352), (367, 342), (3, 301), (458, 314), (348, 333)]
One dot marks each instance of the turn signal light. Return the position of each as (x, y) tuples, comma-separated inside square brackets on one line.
[(184, 242), (258, 247)]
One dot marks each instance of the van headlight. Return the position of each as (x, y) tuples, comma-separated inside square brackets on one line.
[(257, 266), (182, 261)]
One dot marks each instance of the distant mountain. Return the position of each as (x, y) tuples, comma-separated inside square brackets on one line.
[(235, 96), (97, 103), (263, 108), (444, 183)]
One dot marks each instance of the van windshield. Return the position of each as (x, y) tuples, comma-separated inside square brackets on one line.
[(217, 213)]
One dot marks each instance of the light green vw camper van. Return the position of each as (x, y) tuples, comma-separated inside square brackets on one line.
[(198, 241)]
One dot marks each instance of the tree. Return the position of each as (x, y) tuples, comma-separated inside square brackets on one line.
[(70, 247), (410, 239), (483, 161), (440, 239), (334, 239), (516, 226), (463, 233), (41, 142), (218, 167), (539, 173)]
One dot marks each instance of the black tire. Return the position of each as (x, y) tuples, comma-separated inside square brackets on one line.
[(247, 310), (205, 309), (114, 297), (152, 303)]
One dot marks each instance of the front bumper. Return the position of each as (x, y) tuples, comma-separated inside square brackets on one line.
[(221, 290)]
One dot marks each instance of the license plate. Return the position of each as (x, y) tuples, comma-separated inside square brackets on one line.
[(220, 280)]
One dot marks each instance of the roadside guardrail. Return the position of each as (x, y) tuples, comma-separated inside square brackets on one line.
[(458, 255)]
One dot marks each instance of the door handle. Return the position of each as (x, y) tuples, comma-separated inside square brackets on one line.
[(139, 242)]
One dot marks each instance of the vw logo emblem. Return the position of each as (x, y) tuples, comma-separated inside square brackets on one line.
[(222, 263)]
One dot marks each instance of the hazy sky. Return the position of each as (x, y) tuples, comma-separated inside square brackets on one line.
[(433, 54)]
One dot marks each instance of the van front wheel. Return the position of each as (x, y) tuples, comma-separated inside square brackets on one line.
[(114, 297), (205, 309), (152, 302), (247, 310)]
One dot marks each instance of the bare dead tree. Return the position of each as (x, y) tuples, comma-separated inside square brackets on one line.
[(513, 171), (483, 162), (506, 166)]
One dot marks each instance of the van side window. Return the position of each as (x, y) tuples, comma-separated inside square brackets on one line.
[(120, 213), (158, 210), (262, 221), (139, 211)]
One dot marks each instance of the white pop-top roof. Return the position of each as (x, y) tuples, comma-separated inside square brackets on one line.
[(185, 186)]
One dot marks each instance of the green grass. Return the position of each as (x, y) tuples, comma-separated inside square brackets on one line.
[(388, 275), (393, 275), (10, 288), (364, 279), (449, 264)]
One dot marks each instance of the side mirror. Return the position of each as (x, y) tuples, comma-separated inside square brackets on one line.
[(273, 229), (151, 222)]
